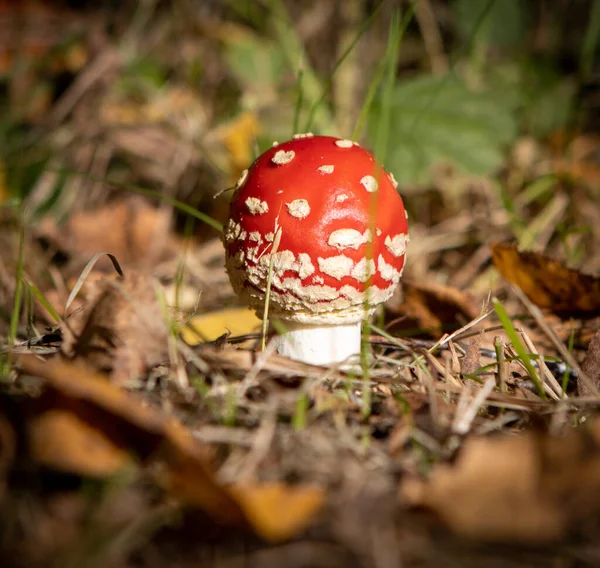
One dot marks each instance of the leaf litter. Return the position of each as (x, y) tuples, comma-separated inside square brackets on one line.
[(147, 428)]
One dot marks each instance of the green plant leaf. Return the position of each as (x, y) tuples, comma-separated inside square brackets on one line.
[(502, 25), (438, 120), (550, 104), (256, 62)]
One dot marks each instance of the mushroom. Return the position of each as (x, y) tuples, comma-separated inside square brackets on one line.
[(319, 220)]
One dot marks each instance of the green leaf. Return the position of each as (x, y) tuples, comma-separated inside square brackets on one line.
[(256, 62), (437, 119), (502, 25), (553, 108)]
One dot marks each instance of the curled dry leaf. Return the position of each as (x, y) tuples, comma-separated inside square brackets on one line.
[(530, 489), (548, 283), (87, 426), (121, 328), (433, 308)]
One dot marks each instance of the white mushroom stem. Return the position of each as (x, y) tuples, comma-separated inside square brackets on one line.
[(320, 344)]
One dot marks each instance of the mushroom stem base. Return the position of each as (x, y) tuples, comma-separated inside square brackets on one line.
[(320, 344)]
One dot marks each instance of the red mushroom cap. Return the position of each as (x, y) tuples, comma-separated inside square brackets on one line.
[(336, 222)]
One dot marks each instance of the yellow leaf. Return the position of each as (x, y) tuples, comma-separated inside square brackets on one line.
[(276, 511), (59, 439), (207, 327), (238, 137)]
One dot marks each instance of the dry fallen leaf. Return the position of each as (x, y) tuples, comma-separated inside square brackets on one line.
[(63, 434), (591, 366), (548, 283), (84, 424), (136, 233), (121, 328), (207, 327), (528, 489), (471, 362), (278, 511), (433, 308)]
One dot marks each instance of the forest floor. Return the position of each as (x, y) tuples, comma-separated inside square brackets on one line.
[(141, 422)]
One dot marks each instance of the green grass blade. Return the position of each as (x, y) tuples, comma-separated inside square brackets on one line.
[(391, 60), (133, 188), (451, 72), (293, 50), (377, 79), (570, 346), (299, 417), (37, 294), (338, 64), (518, 346), (370, 97), (299, 100), (192, 211), (265, 321), (590, 42), (18, 298)]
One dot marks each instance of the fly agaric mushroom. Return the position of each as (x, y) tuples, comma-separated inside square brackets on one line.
[(319, 219)]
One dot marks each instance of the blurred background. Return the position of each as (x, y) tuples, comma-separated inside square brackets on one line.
[(115, 116)]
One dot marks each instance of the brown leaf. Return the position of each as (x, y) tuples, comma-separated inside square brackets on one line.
[(434, 308), (529, 489), (125, 423), (591, 366), (548, 283), (85, 425), (121, 330), (136, 233), (470, 363)]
